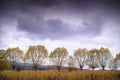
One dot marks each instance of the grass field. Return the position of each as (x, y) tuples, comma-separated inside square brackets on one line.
[(63, 75)]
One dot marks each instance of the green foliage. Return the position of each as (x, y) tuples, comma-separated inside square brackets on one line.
[(71, 64), (18, 68), (70, 69), (4, 65), (118, 56), (113, 64), (92, 60), (104, 56), (81, 56), (58, 57), (3, 61), (117, 59), (36, 55), (2, 54), (14, 55)]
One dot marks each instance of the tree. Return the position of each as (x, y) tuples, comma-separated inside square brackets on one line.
[(3, 61), (117, 59), (58, 57), (103, 56), (113, 64), (36, 55), (14, 55), (81, 56), (92, 60), (2, 54), (71, 63)]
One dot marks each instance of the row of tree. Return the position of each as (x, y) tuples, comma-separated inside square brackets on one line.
[(35, 55)]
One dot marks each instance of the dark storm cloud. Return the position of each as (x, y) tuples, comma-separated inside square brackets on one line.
[(87, 3), (4, 4), (12, 8), (56, 28), (51, 28), (44, 3), (31, 23), (92, 28), (30, 16)]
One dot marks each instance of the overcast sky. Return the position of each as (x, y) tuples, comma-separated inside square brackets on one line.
[(72, 24)]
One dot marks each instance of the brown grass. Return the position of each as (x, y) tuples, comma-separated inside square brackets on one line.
[(63, 75)]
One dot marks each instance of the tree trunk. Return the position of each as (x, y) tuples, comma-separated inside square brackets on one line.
[(13, 67), (70, 69), (93, 68), (81, 67), (35, 67), (103, 67), (58, 68)]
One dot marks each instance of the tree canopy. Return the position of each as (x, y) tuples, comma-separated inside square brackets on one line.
[(104, 56), (117, 59), (14, 55), (92, 60), (36, 55), (81, 56), (3, 61), (58, 57)]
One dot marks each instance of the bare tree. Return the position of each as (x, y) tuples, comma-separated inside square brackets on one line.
[(104, 56), (92, 60), (81, 56), (36, 55), (14, 55), (58, 57)]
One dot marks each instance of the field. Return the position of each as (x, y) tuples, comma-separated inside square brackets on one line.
[(63, 75)]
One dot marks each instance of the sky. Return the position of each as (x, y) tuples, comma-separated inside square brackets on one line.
[(71, 24)]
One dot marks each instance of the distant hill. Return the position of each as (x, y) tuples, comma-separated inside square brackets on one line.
[(27, 66)]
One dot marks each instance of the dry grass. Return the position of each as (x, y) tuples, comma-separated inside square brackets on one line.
[(63, 75)]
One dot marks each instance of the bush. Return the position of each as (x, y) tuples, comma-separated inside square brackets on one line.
[(70, 69), (18, 68), (4, 65)]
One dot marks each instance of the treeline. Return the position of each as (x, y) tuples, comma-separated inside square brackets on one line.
[(36, 55)]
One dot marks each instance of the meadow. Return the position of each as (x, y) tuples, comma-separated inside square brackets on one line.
[(62, 75)]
